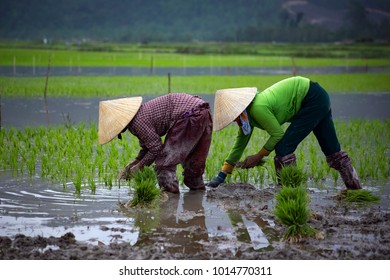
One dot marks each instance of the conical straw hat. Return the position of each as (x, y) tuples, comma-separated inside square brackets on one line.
[(115, 115), (230, 103)]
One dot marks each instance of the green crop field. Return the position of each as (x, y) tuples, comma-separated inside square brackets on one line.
[(184, 56), (71, 153), (86, 86), (196, 55)]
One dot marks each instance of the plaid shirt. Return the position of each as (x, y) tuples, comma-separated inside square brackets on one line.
[(153, 120)]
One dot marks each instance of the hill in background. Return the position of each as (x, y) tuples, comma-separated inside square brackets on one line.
[(195, 20)]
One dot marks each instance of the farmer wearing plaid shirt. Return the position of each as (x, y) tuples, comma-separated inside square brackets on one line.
[(183, 119)]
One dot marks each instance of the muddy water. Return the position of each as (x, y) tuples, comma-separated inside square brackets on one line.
[(230, 221), (35, 208), (39, 208)]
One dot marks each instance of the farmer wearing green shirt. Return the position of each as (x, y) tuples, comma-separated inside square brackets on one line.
[(297, 100)]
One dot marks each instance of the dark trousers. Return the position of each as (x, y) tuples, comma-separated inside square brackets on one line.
[(188, 143), (315, 115)]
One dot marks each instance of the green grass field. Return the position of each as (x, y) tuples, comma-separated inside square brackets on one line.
[(86, 86), (195, 55), (28, 54)]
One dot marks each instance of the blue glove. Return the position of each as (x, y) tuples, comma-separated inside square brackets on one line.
[(217, 180)]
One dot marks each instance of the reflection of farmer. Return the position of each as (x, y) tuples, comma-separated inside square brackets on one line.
[(297, 100), (185, 121), (189, 223), (181, 227)]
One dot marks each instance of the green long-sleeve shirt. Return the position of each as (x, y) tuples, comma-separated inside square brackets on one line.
[(269, 110)]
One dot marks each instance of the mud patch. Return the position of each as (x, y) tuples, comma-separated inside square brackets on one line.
[(234, 221)]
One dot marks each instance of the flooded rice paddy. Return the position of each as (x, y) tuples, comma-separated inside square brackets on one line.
[(44, 220), (20, 112)]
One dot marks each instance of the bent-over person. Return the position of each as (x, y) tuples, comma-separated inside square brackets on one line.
[(296, 100), (183, 119)]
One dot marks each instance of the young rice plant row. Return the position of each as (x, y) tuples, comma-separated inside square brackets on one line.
[(71, 155)]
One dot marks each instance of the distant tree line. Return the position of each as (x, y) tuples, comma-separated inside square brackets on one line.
[(293, 28), (184, 21)]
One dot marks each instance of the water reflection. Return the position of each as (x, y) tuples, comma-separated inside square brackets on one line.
[(188, 223), (177, 224), (248, 231), (40, 208)]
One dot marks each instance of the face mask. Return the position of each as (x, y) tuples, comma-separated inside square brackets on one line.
[(246, 127)]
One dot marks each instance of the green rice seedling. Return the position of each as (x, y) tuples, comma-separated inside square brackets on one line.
[(147, 173), (292, 210), (243, 175), (31, 165), (260, 178), (107, 179), (45, 167), (323, 171), (361, 197), (92, 183), (292, 176), (145, 189), (335, 175), (271, 174), (78, 178), (382, 162), (56, 152), (13, 159)]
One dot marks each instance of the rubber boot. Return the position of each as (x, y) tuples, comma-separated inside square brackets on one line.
[(342, 163), (279, 162), (194, 183), (167, 180)]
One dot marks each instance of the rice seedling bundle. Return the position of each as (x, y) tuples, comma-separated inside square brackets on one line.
[(292, 203), (292, 176), (292, 210), (359, 196), (145, 187)]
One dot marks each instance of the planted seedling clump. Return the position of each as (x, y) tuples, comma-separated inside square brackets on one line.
[(292, 204), (145, 188), (291, 209), (361, 197), (292, 176)]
